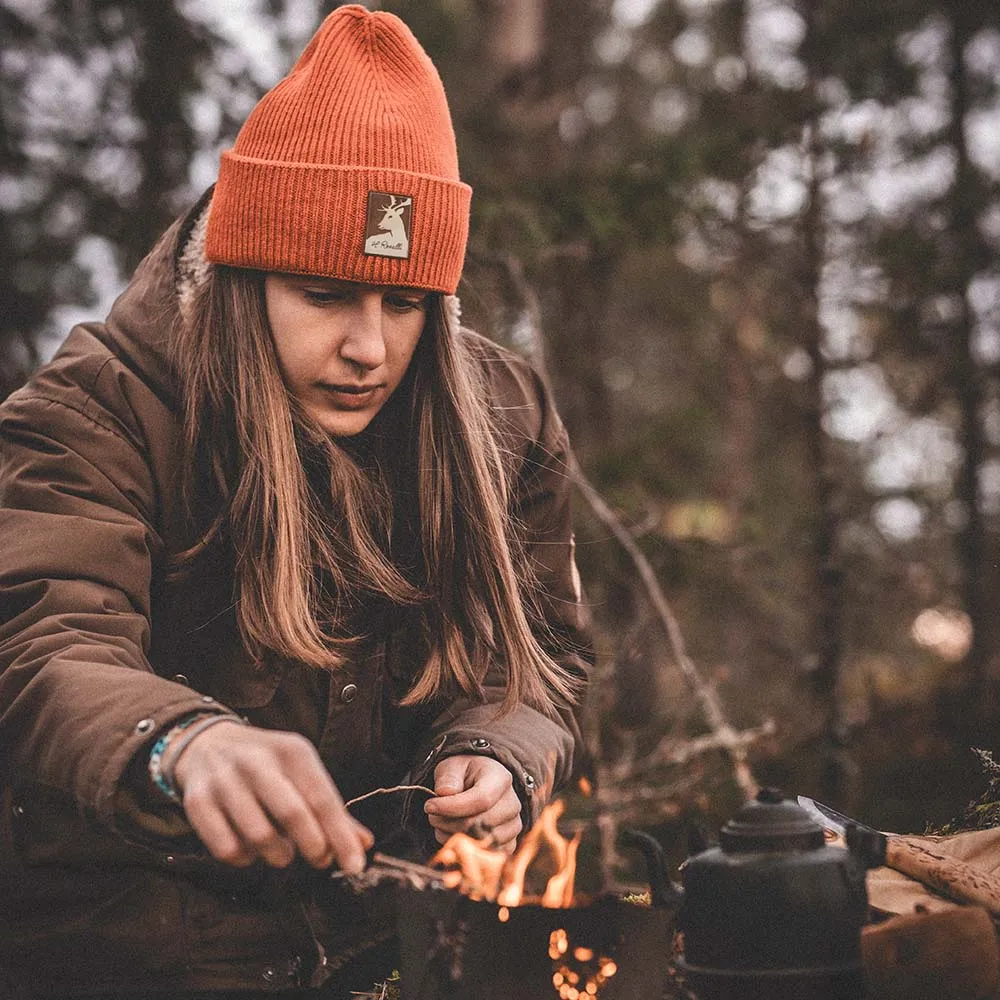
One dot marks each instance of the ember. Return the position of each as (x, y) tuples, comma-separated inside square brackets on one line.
[(587, 978), (456, 948)]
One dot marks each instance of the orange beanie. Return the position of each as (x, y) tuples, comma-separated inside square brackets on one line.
[(348, 167)]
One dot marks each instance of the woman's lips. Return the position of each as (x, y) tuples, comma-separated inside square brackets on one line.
[(351, 397)]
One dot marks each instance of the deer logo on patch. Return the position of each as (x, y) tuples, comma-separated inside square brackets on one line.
[(387, 226)]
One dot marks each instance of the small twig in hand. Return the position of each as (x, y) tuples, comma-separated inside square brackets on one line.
[(385, 791)]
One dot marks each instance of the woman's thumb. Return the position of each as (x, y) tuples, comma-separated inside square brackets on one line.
[(449, 776)]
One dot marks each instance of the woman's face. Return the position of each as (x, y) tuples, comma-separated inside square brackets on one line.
[(343, 347)]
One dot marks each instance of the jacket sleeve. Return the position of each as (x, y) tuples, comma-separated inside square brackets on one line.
[(78, 697), (543, 753)]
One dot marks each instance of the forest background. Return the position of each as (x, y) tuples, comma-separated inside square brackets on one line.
[(754, 245)]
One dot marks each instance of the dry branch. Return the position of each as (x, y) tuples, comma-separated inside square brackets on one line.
[(389, 791), (734, 743), (384, 868), (670, 751)]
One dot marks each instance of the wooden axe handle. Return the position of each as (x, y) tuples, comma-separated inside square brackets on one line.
[(949, 876)]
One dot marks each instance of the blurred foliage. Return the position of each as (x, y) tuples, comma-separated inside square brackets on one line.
[(984, 812), (757, 240)]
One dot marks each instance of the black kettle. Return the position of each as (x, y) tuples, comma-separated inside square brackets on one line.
[(773, 911)]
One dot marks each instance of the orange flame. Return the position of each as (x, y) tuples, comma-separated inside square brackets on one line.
[(485, 873), (477, 869)]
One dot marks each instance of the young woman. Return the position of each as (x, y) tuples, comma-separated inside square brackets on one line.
[(277, 534)]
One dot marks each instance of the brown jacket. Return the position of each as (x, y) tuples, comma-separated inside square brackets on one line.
[(102, 888)]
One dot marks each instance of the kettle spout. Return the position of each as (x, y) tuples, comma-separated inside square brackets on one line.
[(663, 891)]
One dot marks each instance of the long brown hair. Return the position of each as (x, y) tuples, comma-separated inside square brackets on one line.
[(310, 527)]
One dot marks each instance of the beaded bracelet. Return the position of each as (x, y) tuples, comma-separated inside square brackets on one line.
[(158, 749), (186, 730)]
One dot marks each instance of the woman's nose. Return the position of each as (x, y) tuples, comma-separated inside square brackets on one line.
[(364, 344)]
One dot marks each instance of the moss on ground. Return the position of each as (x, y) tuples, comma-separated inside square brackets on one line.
[(984, 812)]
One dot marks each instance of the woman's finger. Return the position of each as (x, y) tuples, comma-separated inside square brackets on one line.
[(296, 819), (488, 820), (451, 775), (254, 827), (348, 839), (448, 824), (486, 781), (506, 811), (345, 838), (215, 831), (505, 835)]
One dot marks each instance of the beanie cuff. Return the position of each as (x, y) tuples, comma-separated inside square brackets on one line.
[(265, 216)]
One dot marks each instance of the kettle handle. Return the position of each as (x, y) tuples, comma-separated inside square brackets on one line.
[(662, 891)]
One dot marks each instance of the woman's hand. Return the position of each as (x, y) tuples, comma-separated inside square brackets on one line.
[(258, 793), (475, 791)]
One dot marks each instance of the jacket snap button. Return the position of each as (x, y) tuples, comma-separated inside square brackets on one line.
[(18, 810), (480, 744), (181, 679), (207, 699), (269, 975), (144, 726), (348, 693)]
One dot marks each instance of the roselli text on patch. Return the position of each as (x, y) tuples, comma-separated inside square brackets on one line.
[(387, 227)]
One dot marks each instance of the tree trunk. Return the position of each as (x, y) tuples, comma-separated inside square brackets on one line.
[(960, 267), (828, 573)]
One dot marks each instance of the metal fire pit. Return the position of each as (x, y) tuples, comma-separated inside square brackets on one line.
[(456, 948)]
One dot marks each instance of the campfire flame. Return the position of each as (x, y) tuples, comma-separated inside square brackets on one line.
[(482, 872), (479, 868)]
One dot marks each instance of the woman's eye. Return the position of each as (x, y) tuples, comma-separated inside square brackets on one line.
[(405, 303), (324, 296)]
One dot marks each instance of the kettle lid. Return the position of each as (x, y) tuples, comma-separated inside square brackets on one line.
[(771, 824)]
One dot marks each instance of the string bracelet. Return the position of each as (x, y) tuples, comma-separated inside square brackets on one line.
[(177, 738)]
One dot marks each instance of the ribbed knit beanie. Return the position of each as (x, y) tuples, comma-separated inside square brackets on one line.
[(348, 166)]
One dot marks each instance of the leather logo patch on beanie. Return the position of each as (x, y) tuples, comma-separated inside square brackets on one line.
[(387, 225)]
